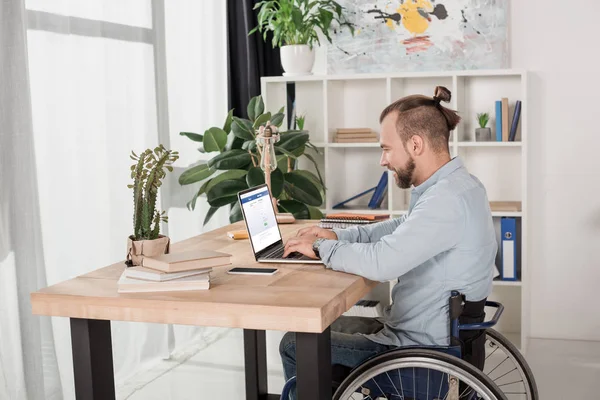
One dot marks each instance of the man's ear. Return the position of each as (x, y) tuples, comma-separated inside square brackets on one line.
[(416, 145)]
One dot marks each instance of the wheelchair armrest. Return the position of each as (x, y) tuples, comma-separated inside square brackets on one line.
[(487, 324)]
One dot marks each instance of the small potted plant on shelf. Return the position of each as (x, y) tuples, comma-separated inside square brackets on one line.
[(483, 134), (147, 173), (294, 24)]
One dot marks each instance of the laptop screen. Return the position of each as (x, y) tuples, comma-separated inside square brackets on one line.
[(260, 218)]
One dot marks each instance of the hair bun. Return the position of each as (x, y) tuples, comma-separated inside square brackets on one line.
[(442, 94)]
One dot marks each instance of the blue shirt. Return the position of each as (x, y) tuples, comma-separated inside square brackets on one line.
[(445, 242)]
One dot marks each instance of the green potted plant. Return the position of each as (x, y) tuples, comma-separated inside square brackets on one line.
[(147, 173), (295, 25), (236, 166), (483, 133)]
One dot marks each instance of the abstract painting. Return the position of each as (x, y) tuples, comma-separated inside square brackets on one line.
[(420, 35)]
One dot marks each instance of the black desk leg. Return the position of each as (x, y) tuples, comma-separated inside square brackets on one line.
[(92, 359), (313, 363), (255, 359)]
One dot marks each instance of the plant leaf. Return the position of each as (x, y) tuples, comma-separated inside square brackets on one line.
[(228, 120), (277, 119), (249, 145), (303, 189), (284, 151), (259, 106), (195, 174), (193, 136), (314, 212), (225, 192), (277, 181), (310, 157), (209, 214), (232, 174), (261, 119), (251, 107), (215, 139), (298, 209), (235, 214), (232, 159), (242, 128), (292, 140), (255, 177)]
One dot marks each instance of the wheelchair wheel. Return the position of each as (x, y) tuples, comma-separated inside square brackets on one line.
[(505, 365), (417, 374)]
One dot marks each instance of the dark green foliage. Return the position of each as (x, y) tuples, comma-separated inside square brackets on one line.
[(235, 166)]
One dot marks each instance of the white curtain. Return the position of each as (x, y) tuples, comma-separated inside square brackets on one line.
[(104, 78)]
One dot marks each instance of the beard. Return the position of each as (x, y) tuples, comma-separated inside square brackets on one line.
[(404, 176)]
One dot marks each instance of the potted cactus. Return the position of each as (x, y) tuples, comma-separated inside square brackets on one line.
[(147, 173), (483, 134)]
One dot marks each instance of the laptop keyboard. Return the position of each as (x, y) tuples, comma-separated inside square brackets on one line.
[(278, 253)]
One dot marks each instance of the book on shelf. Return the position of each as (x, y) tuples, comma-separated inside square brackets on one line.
[(355, 135), (132, 285), (513, 206), (506, 131), (187, 260)]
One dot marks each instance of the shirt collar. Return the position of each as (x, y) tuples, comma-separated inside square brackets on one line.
[(441, 173)]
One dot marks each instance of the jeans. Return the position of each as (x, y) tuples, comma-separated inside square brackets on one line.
[(347, 347)]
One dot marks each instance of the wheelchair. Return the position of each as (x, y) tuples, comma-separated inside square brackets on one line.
[(479, 364)]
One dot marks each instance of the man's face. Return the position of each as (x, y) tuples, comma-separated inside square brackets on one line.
[(395, 156)]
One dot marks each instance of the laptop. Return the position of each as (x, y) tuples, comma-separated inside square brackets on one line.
[(263, 230)]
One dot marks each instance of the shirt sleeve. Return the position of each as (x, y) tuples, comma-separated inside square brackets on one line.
[(368, 233), (434, 226)]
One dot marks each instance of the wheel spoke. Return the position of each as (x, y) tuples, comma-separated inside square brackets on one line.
[(392, 382)]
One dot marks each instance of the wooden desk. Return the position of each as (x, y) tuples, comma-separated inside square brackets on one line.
[(301, 298)]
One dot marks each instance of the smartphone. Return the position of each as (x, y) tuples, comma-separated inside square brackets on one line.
[(252, 271)]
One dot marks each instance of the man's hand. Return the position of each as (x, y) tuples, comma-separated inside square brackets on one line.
[(301, 244), (317, 232)]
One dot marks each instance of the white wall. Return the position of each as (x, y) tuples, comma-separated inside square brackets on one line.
[(565, 178), (561, 53)]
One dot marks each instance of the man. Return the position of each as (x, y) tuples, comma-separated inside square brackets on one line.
[(445, 242)]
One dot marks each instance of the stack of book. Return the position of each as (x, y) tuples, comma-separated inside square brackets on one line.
[(355, 135), (345, 220), (172, 272), (506, 130)]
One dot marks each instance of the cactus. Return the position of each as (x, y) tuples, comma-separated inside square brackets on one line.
[(147, 174)]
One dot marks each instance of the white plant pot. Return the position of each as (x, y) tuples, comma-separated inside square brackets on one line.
[(297, 59)]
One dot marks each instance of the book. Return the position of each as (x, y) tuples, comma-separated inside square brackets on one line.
[(515, 122), (353, 130), (505, 127), (505, 205), (353, 216), (195, 282), (498, 121), (345, 220), (373, 139), (187, 260), (380, 191), (149, 274)]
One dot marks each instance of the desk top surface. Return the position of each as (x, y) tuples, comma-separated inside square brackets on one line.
[(299, 297)]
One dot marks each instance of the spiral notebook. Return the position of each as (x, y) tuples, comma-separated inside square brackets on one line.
[(345, 220)]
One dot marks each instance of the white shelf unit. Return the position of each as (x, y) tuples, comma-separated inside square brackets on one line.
[(350, 101)]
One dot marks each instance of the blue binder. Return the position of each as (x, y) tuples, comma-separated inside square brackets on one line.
[(508, 255), (499, 121), (379, 193)]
